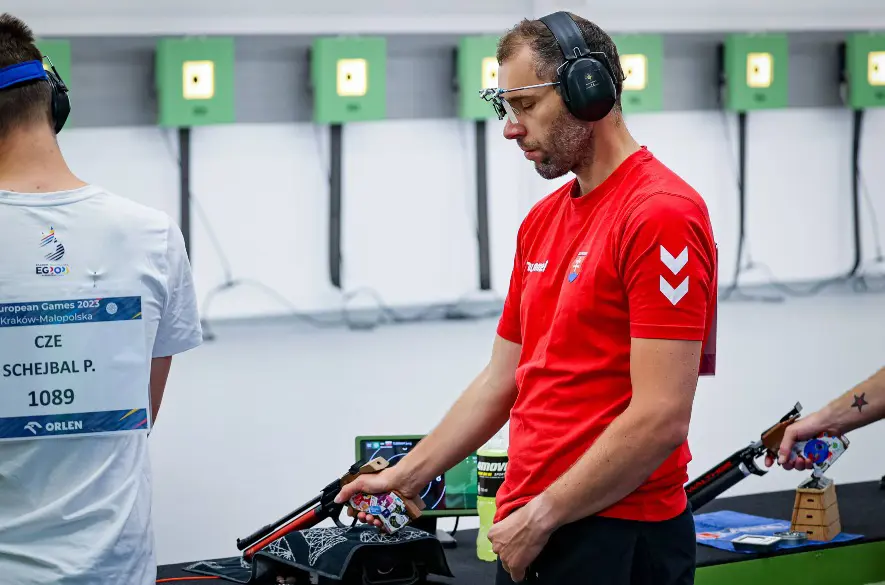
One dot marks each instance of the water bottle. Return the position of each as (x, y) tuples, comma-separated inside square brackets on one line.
[(491, 465)]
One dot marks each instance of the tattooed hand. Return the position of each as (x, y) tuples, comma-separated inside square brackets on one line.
[(802, 430), (860, 406)]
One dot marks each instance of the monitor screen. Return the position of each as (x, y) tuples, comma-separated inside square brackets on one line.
[(451, 494)]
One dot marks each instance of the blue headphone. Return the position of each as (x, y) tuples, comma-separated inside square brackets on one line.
[(30, 71)]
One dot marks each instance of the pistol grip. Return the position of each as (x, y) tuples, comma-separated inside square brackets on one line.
[(391, 509), (775, 435)]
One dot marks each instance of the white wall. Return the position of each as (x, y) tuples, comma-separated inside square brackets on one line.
[(409, 217), (138, 163)]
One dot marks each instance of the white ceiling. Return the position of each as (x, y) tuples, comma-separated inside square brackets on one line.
[(134, 17), (124, 17), (726, 15)]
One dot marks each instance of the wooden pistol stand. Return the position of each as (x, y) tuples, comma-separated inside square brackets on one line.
[(816, 511)]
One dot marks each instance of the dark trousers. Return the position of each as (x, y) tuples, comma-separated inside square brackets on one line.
[(609, 551)]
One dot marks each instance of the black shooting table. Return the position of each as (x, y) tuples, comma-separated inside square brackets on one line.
[(856, 562)]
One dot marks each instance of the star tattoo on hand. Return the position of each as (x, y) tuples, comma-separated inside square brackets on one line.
[(859, 402)]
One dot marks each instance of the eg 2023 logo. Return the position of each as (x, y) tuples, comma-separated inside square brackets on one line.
[(53, 251)]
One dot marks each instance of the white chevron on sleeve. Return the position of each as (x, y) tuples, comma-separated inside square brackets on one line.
[(677, 263), (674, 295)]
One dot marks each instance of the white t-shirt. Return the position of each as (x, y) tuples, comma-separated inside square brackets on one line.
[(77, 510)]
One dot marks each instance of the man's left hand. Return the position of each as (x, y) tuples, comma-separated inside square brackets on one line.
[(520, 538)]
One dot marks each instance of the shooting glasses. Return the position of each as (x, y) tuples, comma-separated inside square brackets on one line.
[(502, 107)]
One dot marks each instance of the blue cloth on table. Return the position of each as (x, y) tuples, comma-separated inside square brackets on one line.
[(718, 529)]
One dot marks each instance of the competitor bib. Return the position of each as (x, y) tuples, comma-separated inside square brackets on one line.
[(72, 368)]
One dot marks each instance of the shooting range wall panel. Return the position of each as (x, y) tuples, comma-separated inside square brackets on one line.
[(114, 81), (115, 77), (272, 80)]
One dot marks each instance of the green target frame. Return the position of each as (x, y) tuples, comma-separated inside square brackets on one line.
[(349, 79), (195, 81), (642, 61), (477, 69), (757, 71), (865, 66)]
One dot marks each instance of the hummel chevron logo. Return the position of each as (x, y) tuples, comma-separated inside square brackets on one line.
[(674, 295), (675, 264)]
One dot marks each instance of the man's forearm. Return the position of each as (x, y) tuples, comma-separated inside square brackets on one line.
[(621, 459), (860, 406), (475, 417)]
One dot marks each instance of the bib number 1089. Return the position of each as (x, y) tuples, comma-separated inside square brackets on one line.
[(51, 398)]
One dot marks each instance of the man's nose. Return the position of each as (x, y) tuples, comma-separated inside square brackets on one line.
[(512, 131)]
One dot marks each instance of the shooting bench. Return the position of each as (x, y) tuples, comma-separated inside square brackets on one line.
[(857, 562)]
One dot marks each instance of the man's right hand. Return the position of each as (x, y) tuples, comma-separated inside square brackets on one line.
[(376, 483)]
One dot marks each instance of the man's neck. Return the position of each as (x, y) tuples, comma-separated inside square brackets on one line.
[(613, 144), (31, 162)]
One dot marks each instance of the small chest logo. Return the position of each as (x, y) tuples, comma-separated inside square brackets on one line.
[(576, 266)]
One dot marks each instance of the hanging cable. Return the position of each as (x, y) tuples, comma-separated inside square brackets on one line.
[(850, 276), (856, 128), (453, 310), (734, 289)]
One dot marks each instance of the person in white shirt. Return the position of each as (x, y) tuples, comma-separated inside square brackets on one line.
[(96, 296)]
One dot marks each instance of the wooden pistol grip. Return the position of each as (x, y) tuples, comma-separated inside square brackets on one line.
[(773, 438), (376, 465), (413, 507)]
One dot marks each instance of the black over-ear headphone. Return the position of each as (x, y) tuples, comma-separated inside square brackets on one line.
[(586, 79), (61, 100), (31, 71)]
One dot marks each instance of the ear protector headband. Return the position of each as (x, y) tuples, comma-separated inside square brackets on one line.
[(29, 71), (586, 79)]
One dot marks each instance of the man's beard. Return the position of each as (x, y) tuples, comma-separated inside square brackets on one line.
[(569, 145)]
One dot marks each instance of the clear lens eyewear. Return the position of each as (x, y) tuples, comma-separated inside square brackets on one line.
[(500, 104)]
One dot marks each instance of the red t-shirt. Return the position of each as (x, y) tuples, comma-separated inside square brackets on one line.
[(633, 258)]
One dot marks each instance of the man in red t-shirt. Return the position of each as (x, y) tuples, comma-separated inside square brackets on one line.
[(611, 304)]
